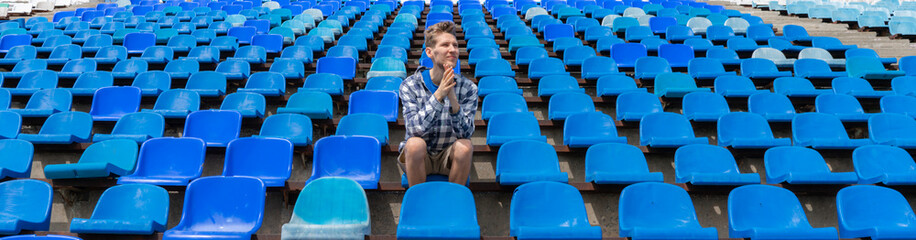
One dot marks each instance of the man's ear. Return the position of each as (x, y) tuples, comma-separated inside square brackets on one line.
[(429, 51)]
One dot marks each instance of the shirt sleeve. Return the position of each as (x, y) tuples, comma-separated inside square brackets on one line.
[(419, 114), (463, 121)]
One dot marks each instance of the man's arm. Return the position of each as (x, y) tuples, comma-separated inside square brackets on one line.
[(419, 114), (463, 121)]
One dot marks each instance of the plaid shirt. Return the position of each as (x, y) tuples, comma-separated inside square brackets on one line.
[(432, 120)]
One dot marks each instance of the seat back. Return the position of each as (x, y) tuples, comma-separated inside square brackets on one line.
[(742, 125), (703, 159), (384, 103), (111, 103), (270, 159), (216, 127), (205, 196), (529, 208), (838, 104), (665, 125), (808, 126), (58, 100), (761, 206), (588, 124), (878, 163), (27, 201), (331, 201), (245, 102), (141, 123), (869, 207), (335, 157), (782, 161), (17, 152), (655, 205), (637, 102)]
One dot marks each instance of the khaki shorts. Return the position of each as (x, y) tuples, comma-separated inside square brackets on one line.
[(435, 164)]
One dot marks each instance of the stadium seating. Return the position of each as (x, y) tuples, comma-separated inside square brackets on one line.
[(127, 209), (617, 163), (799, 165), (755, 210), (885, 164), (329, 207), (268, 159), (563, 214), (241, 217), (101, 159), (659, 210), (27, 205), (702, 164), (872, 211), (524, 161)]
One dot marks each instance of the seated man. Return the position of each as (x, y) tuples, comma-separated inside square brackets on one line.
[(439, 108)]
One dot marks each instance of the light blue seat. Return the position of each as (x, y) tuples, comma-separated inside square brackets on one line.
[(27, 205), (617, 163), (856, 87), (18, 158), (800, 165), (702, 164), (268, 159), (874, 211), (384, 103), (632, 106), (329, 83), (652, 210), (168, 162), (614, 85), (704, 106), (129, 69), (647, 68), (736, 86), (127, 209), (388, 83), (88, 82), (760, 211), (137, 127), (675, 85), (250, 105), (869, 68), (207, 84), (387, 66), (523, 161), (289, 68), (206, 197), (34, 81), (554, 84), (747, 130), (419, 220), (595, 67), (772, 106), (590, 128), (111, 103), (74, 69), (494, 84), (563, 215), (250, 54), (334, 157), (293, 127), (46, 102), (563, 104), (329, 208), (101, 159), (216, 127), (497, 103), (797, 87), (893, 129), (509, 126), (844, 107), (182, 68), (822, 131), (667, 130), (315, 105), (62, 128), (815, 69), (365, 124), (884, 164), (234, 69), (265, 83), (543, 67), (176, 103)]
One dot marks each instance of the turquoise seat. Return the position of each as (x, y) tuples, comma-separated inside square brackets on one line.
[(101, 159), (329, 208)]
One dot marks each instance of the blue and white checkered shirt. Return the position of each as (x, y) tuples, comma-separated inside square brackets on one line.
[(431, 119)]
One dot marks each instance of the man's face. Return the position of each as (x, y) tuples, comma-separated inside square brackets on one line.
[(444, 51)]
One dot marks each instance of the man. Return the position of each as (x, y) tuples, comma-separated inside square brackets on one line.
[(439, 108)]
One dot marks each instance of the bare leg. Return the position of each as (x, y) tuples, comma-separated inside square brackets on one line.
[(415, 160), (461, 156)]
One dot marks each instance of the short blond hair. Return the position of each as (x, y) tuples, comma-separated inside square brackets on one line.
[(436, 29)]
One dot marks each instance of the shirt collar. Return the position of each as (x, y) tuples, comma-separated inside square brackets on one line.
[(428, 81)]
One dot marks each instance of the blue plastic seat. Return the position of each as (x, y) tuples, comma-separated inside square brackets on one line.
[(869, 68), (868, 52), (176, 103), (137, 127), (493, 84), (481, 53), (250, 54), (799, 165), (182, 43), (772, 106), (168, 162), (207, 84), (27, 205), (617, 163), (497, 103), (127, 209), (614, 85), (157, 55), (678, 55), (524, 127), (62, 128), (268, 159), (675, 85), (46, 102), (366, 124), (590, 128), (533, 216), (857, 87), (704, 106), (492, 67), (633, 105), (893, 129), (885, 164), (330, 207), (844, 107), (216, 127), (242, 33), (647, 68), (272, 43), (736, 86), (384, 103), (53, 42), (9, 41), (761, 69), (225, 43), (290, 69), (815, 69), (797, 87), (822, 131), (389, 51), (659, 210), (129, 69), (109, 54), (329, 83), (706, 69), (575, 56), (315, 105), (345, 67), (542, 67), (110, 103), (667, 130), (727, 57), (250, 105), (747, 130), (234, 69), (563, 104), (241, 218), (266, 84), (151, 83), (873, 211), (138, 42), (101, 159), (418, 221), (553, 84), (333, 159), (34, 81), (299, 53), (702, 164), (519, 42), (596, 67), (182, 68), (760, 211), (293, 127), (19, 53), (18, 157), (626, 54)]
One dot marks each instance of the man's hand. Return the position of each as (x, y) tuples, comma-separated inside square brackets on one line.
[(446, 84)]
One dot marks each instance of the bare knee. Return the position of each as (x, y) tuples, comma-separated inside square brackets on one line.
[(462, 151), (415, 148)]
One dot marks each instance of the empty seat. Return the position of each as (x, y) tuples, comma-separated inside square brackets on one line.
[(265, 83), (127, 209), (772, 106), (617, 163), (797, 87), (250, 54), (365, 124), (493, 84), (315, 105), (216, 127), (614, 85), (884, 164), (632, 106), (822, 131), (110, 103), (129, 69), (207, 84), (268, 159), (873, 211), (893, 129), (321, 82), (575, 56), (87, 83), (417, 220), (702, 164), (647, 68), (736, 86), (182, 69), (857, 87), (815, 69), (34, 81), (250, 105), (561, 215), (234, 69), (554, 84), (596, 67), (345, 67), (665, 130), (62, 128), (206, 197), (543, 67), (869, 68), (384, 103), (493, 67), (524, 126), (659, 210), (520, 162), (330, 207), (497, 103), (46, 102), (137, 127), (675, 85), (101, 159), (678, 55), (844, 107), (176, 103), (387, 66), (704, 106), (168, 162), (18, 158), (26, 206), (760, 211), (293, 127), (800, 165), (156, 55), (747, 130), (761, 69), (626, 54), (590, 128), (331, 159), (75, 68)]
